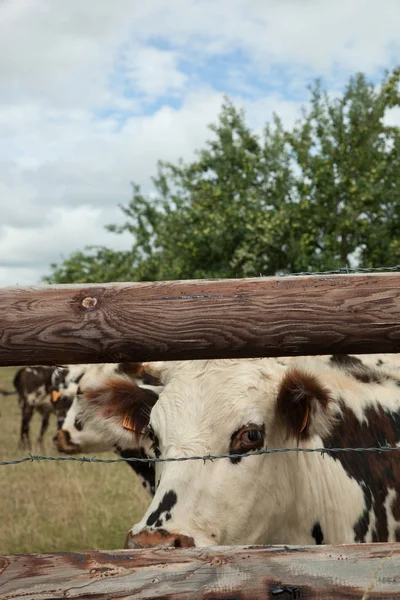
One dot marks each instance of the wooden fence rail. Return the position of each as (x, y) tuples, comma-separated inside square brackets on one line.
[(200, 319), (360, 571)]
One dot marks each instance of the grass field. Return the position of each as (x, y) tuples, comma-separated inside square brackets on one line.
[(60, 506)]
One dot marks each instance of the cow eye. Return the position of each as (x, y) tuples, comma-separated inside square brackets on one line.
[(250, 437), (253, 435)]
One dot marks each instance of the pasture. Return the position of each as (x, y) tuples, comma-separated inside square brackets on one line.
[(60, 506)]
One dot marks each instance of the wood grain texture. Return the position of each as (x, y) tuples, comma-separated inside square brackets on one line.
[(360, 571), (200, 319)]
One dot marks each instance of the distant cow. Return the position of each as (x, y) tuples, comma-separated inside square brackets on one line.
[(73, 435), (238, 406), (33, 385)]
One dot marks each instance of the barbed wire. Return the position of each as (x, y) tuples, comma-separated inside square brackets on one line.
[(342, 271), (94, 459)]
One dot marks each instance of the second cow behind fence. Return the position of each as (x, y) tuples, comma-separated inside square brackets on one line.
[(73, 434)]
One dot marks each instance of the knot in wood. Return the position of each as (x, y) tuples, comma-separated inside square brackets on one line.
[(89, 302)]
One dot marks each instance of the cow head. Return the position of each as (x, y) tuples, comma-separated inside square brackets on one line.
[(74, 434), (77, 435), (228, 407)]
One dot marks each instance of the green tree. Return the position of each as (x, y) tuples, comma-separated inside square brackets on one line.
[(284, 201), (349, 182)]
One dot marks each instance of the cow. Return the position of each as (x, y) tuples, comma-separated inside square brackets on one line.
[(33, 386), (235, 407), (73, 434)]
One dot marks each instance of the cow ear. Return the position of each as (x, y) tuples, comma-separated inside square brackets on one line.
[(302, 405), (120, 408)]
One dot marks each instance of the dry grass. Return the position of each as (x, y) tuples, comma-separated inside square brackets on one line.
[(60, 506)]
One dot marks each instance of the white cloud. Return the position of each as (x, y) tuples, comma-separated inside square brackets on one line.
[(63, 204), (64, 52), (153, 72), (93, 93), (392, 117), (25, 251)]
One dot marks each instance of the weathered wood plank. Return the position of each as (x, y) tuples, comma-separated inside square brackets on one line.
[(200, 319), (362, 571)]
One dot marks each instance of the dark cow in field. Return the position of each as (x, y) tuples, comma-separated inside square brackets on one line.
[(232, 407), (73, 434), (33, 385)]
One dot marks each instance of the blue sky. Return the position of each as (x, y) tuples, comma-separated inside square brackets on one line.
[(93, 93)]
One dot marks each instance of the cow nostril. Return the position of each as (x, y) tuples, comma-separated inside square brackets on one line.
[(177, 543)]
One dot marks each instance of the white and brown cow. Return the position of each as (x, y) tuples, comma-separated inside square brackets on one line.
[(33, 386), (237, 406), (75, 435)]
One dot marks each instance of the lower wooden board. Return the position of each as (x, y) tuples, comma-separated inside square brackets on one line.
[(362, 571)]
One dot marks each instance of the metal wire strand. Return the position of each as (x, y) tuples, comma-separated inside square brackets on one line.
[(94, 459)]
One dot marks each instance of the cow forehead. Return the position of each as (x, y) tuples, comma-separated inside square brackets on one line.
[(216, 391), (245, 371)]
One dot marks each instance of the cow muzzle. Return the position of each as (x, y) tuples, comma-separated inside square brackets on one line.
[(62, 440), (159, 538)]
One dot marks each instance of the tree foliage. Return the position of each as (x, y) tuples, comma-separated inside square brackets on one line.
[(313, 198)]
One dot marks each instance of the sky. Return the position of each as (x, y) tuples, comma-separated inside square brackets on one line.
[(93, 93)]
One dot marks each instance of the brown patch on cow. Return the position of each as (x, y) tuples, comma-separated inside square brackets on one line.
[(361, 372), (367, 375), (375, 472), (345, 360), (396, 507), (122, 398), (159, 538), (297, 394)]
